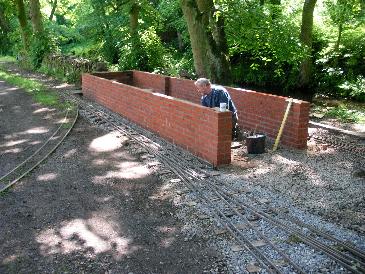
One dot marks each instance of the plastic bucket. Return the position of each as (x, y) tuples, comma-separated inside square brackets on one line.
[(255, 144)]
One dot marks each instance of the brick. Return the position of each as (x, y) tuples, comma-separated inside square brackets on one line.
[(185, 122)]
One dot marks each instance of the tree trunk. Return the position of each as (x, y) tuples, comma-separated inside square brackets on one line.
[(337, 46), (306, 38), (54, 6), (22, 17), (133, 18), (208, 41), (36, 16), (4, 24)]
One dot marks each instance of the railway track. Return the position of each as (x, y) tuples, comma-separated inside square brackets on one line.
[(42, 153), (229, 208), (337, 142)]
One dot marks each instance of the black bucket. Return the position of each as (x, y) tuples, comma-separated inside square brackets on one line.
[(255, 144)]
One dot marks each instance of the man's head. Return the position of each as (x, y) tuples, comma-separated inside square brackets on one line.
[(203, 86)]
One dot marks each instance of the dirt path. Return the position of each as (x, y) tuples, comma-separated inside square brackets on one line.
[(23, 124), (92, 207)]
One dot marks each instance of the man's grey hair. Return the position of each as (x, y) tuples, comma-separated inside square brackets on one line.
[(202, 82)]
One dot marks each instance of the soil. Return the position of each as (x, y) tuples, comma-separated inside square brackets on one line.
[(89, 208)]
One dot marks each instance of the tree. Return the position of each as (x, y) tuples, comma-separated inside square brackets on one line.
[(133, 17), (40, 45), (54, 6), (4, 24), (208, 40), (36, 16), (6, 11), (22, 17), (343, 13), (306, 39)]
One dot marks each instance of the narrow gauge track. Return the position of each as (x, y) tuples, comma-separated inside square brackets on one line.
[(335, 140), (209, 189), (42, 153)]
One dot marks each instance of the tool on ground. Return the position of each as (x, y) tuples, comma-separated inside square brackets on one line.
[(282, 125)]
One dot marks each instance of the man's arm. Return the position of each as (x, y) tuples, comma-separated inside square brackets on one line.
[(224, 97)]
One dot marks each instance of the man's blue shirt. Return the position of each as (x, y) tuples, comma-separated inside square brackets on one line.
[(218, 95)]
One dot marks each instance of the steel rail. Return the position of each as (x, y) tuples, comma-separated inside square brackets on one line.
[(262, 260), (351, 248), (344, 259), (247, 222), (176, 167), (340, 257), (7, 186), (259, 256), (192, 173), (348, 262), (340, 145), (357, 252), (45, 143)]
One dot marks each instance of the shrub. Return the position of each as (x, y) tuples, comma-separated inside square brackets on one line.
[(143, 51)]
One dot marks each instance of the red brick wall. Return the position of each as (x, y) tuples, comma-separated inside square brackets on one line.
[(265, 112), (145, 80), (184, 89), (203, 131), (255, 109)]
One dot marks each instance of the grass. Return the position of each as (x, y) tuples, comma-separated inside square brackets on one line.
[(7, 59), (39, 92), (294, 239), (346, 114), (345, 111)]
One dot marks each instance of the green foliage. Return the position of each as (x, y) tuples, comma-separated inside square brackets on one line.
[(173, 23), (340, 67), (341, 73), (7, 23), (343, 110), (39, 47), (345, 114), (263, 40), (29, 85), (177, 64), (143, 52), (343, 11), (265, 45), (354, 90)]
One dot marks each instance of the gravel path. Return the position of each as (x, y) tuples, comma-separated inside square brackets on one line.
[(322, 186)]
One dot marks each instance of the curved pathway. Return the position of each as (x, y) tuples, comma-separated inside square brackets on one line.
[(92, 207)]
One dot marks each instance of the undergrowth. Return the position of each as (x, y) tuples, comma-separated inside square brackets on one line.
[(345, 112)]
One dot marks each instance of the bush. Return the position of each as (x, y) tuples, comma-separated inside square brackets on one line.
[(341, 74), (39, 47), (143, 52)]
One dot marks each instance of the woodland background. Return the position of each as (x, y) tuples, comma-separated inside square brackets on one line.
[(304, 48)]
